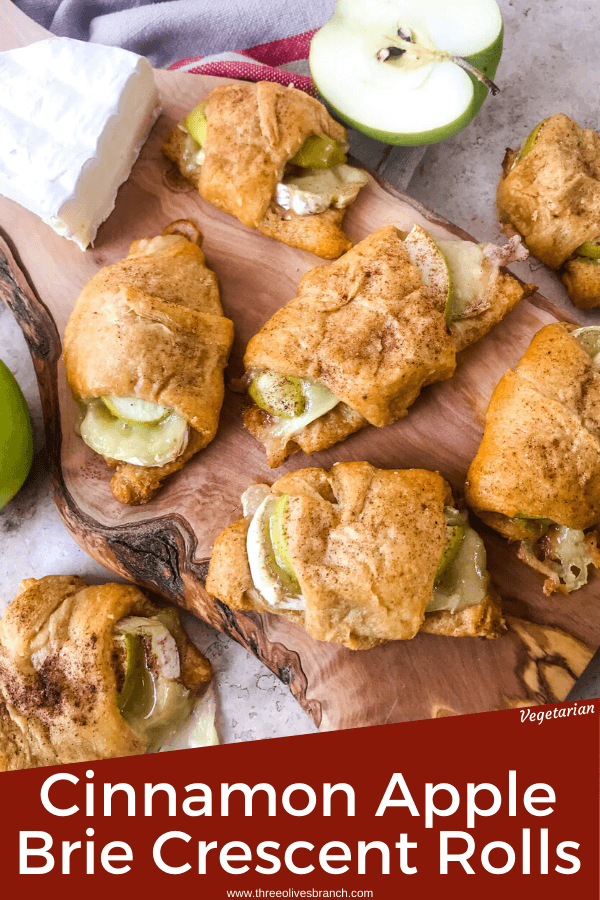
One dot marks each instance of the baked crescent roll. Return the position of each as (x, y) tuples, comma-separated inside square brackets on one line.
[(144, 350), (274, 158), (91, 673), (358, 556), (549, 193), (365, 334), (536, 475)]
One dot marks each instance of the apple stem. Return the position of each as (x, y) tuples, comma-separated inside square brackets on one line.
[(404, 36), (492, 88)]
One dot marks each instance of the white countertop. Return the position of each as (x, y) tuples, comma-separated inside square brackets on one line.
[(549, 65)]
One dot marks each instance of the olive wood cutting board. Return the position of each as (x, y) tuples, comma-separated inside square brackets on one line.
[(166, 545)]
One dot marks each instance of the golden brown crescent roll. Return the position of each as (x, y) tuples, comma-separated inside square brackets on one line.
[(364, 335), (536, 475), (358, 556), (91, 673), (549, 193), (243, 158), (144, 350)]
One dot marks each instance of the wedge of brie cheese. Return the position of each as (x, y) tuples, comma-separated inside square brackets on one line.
[(73, 118)]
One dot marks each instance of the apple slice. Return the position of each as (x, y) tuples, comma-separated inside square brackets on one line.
[(589, 250), (132, 410), (197, 124), (275, 580), (467, 262), (395, 69), (529, 142), (279, 542), (589, 339), (279, 395), (138, 443), (464, 579), (453, 544), (458, 270), (319, 151), (293, 402), (426, 255)]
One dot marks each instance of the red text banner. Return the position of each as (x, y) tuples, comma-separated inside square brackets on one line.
[(499, 802)]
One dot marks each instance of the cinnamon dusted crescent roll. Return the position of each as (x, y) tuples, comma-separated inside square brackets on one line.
[(144, 350), (536, 476), (365, 334), (92, 673), (549, 193), (358, 556), (274, 158)]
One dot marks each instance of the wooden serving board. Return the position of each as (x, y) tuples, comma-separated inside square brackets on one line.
[(166, 544)]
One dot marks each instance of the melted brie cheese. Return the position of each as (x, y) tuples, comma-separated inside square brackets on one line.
[(315, 190)]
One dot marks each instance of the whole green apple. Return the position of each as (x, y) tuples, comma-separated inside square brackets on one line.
[(408, 71), (16, 443)]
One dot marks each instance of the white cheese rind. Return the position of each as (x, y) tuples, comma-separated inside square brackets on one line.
[(73, 118)]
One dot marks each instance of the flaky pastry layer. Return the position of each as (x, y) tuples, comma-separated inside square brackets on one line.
[(252, 132), (58, 689), (365, 544), (368, 329), (152, 327), (551, 197), (540, 453)]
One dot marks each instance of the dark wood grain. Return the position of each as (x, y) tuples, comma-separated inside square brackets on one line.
[(165, 545)]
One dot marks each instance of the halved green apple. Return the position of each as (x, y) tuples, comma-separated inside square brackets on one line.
[(395, 69)]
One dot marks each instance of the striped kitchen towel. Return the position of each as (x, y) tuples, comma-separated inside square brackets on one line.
[(284, 61)]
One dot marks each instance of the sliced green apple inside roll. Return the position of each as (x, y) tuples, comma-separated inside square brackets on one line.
[(319, 151), (461, 579), (292, 402), (268, 555), (459, 271), (589, 250), (589, 338), (134, 431), (315, 178), (151, 695)]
